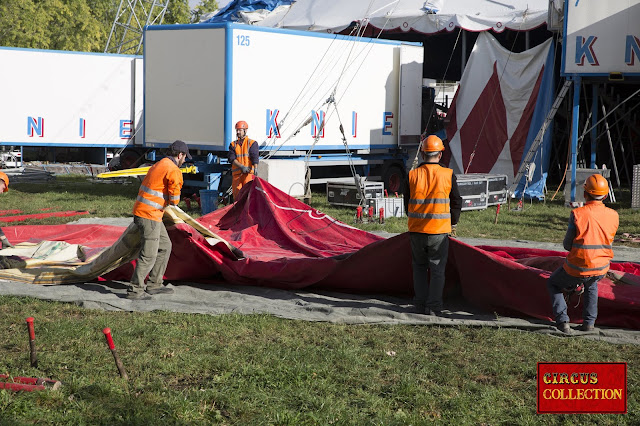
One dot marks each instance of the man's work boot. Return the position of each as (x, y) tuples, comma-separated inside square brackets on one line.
[(138, 296), (159, 290), (587, 327), (564, 327)]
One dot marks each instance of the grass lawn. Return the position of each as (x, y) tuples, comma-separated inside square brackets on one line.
[(259, 369)]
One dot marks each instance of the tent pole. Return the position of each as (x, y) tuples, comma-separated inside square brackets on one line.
[(464, 51), (574, 134), (594, 120), (613, 154)]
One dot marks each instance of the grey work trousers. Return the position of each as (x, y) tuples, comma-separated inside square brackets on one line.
[(429, 254), (154, 254)]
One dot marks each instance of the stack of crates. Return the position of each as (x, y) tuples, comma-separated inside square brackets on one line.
[(478, 190), (473, 190)]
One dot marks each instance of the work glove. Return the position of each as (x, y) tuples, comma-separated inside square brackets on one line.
[(245, 169), (6, 243), (453, 233)]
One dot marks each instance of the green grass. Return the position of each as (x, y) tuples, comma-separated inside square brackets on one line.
[(258, 369)]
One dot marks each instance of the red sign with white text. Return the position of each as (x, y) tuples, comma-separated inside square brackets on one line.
[(582, 387)]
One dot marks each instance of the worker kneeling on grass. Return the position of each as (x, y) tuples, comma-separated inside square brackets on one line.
[(433, 204), (244, 155), (589, 240), (161, 187)]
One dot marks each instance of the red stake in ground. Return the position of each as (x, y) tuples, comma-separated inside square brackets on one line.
[(112, 347)]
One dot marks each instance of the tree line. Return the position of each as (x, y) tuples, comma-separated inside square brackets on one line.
[(78, 25)]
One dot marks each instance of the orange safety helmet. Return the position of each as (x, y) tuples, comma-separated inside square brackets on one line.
[(5, 178), (596, 185), (242, 125), (432, 144)]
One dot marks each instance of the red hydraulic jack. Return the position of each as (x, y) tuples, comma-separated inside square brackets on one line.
[(359, 214), (28, 384), (371, 220)]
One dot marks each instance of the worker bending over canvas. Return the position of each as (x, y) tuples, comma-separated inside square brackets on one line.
[(243, 156), (433, 204), (589, 240), (161, 187)]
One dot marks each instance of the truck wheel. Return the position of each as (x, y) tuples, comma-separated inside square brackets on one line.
[(393, 178), (128, 159)]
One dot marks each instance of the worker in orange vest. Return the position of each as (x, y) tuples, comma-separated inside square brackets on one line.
[(244, 157), (589, 240), (4, 187), (433, 204), (161, 187)]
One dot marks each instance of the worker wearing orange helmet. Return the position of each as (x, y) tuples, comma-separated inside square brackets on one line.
[(433, 204), (4, 187), (589, 240), (244, 157)]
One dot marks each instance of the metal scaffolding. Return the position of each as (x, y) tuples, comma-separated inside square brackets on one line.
[(133, 15)]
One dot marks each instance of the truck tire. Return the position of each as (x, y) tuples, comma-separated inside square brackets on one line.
[(128, 159), (393, 178)]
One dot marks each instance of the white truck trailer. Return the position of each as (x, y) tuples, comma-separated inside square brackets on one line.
[(335, 103), (69, 106)]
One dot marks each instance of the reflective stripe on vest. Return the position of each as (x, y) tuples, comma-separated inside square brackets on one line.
[(429, 210), (591, 251), (160, 187)]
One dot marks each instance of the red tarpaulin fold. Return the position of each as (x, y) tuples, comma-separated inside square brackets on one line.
[(290, 245)]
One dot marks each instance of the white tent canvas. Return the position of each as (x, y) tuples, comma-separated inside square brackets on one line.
[(418, 15)]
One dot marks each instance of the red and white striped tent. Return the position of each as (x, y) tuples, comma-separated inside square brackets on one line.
[(500, 105)]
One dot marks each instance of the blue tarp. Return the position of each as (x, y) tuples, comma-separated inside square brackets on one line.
[(230, 12), (546, 96)]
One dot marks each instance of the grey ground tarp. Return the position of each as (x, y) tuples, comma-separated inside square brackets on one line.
[(216, 299)]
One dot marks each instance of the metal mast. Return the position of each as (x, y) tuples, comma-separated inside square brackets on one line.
[(132, 17)]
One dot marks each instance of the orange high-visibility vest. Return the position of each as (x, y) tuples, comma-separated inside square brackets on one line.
[(429, 210), (241, 149), (240, 179), (591, 251), (160, 187)]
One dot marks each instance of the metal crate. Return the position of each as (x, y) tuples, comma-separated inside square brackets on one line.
[(393, 207), (581, 176), (346, 194), (473, 190), (496, 189)]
